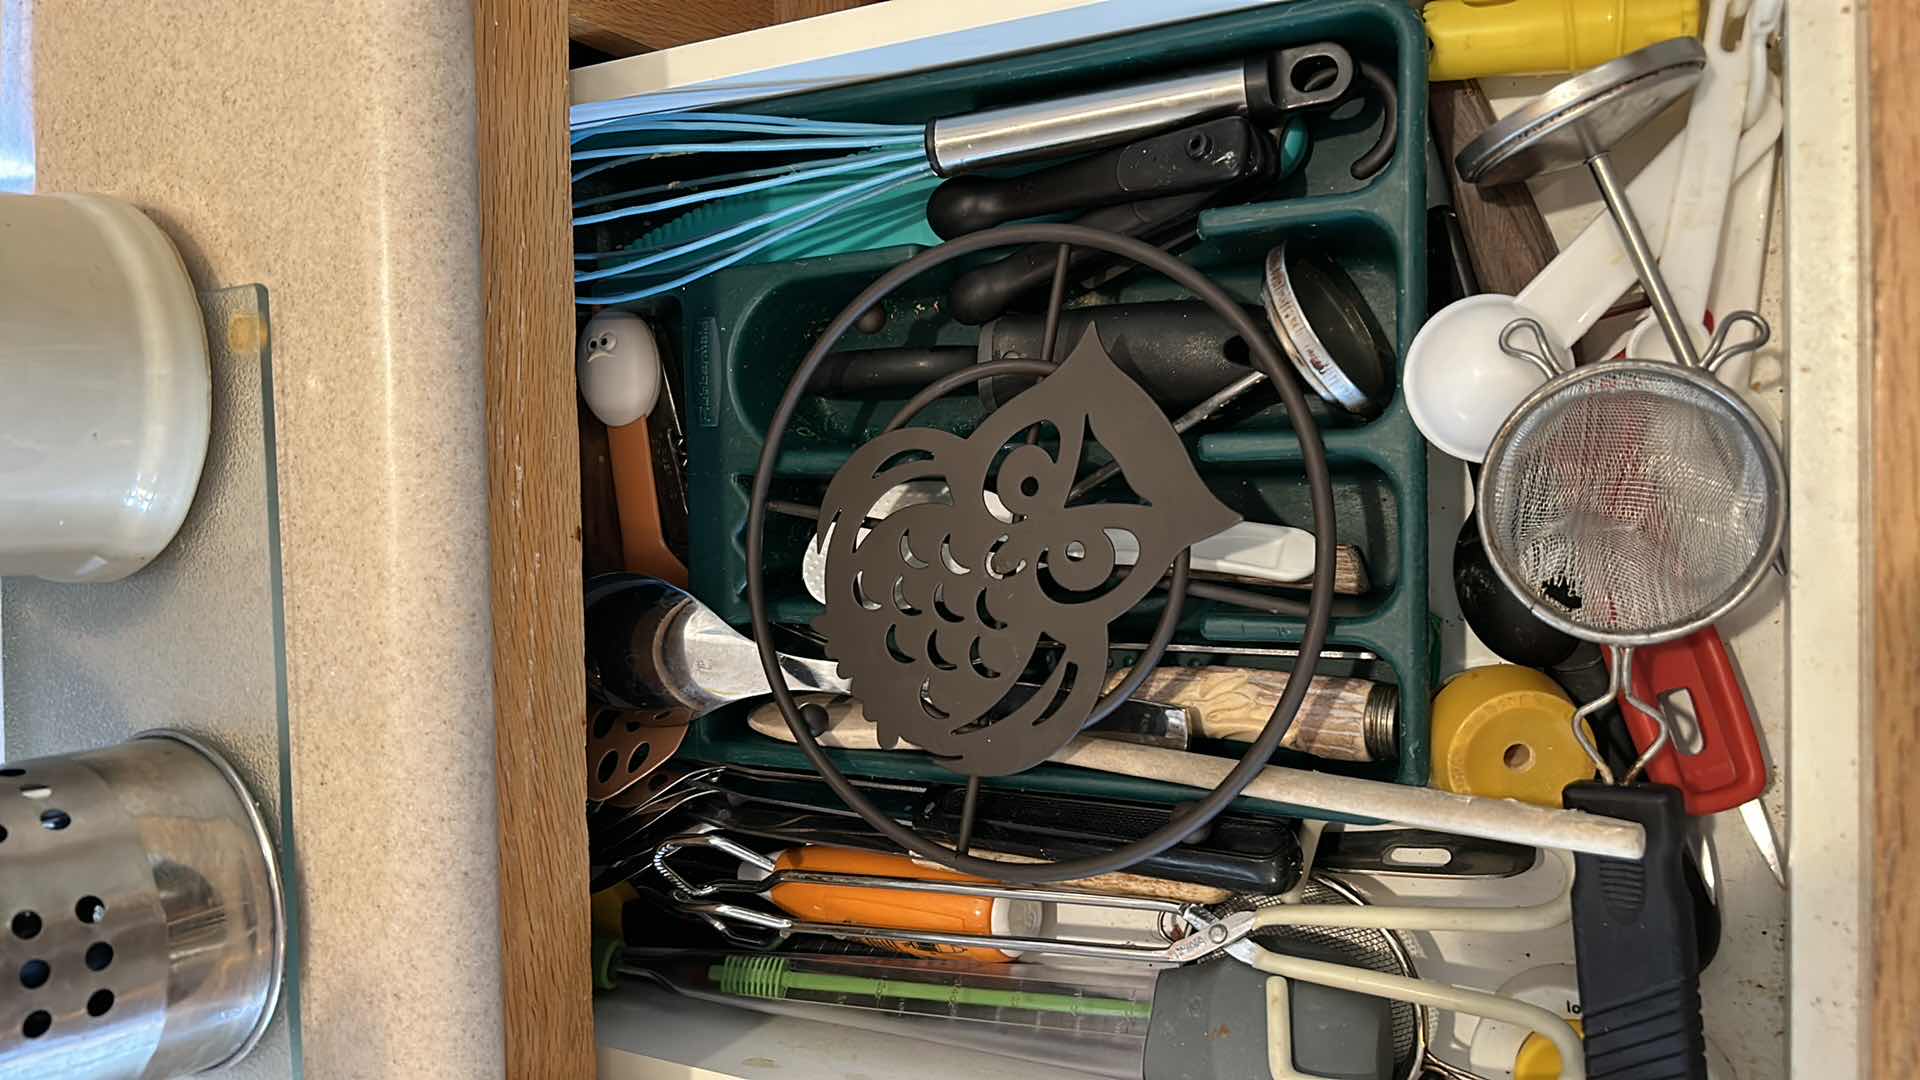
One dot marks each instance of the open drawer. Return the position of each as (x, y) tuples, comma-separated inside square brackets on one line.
[(1789, 989)]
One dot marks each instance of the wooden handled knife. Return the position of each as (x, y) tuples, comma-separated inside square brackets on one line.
[(1345, 719)]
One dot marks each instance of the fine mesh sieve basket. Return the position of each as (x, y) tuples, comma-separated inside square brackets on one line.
[(1632, 502), (142, 932)]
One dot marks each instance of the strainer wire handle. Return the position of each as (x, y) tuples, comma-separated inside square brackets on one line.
[(1540, 357), (1719, 352), (1623, 663), (1620, 688), (1589, 712)]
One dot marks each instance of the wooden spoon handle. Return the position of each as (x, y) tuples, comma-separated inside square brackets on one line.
[(642, 537)]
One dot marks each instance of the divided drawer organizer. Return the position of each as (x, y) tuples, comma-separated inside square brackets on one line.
[(741, 333)]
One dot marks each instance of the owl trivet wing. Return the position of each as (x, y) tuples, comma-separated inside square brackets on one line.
[(940, 608)]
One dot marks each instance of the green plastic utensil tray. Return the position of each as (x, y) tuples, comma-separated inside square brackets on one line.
[(743, 332)]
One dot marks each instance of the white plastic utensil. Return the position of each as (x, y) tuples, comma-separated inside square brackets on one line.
[(1763, 19), (1743, 254), (1459, 392), (1250, 549), (1699, 206), (1461, 386), (1736, 285)]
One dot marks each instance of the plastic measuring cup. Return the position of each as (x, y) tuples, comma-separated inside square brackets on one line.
[(1460, 386)]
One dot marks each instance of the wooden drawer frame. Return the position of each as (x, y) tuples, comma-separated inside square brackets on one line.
[(521, 73)]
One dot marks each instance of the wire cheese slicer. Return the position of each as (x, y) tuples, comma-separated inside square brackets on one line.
[(1628, 503)]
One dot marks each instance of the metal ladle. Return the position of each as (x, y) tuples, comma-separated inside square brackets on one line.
[(1579, 122)]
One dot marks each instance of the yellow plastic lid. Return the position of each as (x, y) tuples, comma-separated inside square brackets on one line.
[(1506, 732), (1539, 1059)]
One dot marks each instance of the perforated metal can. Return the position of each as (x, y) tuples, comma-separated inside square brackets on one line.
[(142, 924)]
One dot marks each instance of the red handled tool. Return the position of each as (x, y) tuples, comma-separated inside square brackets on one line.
[(1730, 768)]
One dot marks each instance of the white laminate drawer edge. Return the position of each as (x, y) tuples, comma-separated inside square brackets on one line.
[(1828, 276)]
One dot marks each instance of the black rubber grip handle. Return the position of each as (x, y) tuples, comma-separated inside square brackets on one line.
[(1635, 943), (1179, 351), (864, 373), (1199, 157), (1240, 853), (988, 291)]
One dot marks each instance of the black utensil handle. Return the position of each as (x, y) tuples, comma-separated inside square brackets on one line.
[(1372, 851), (1241, 853), (1179, 351), (1193, 158), (988, 291), (886, 372), (1636, 944), (1381, 151)]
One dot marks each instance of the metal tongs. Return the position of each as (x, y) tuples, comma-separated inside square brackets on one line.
[(704, 902), (1194, 932)]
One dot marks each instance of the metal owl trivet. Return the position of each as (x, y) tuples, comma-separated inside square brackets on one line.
[(936, 611)]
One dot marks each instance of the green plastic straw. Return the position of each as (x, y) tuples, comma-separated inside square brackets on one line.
[(772, 978)]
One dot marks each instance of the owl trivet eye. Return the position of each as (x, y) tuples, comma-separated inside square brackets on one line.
[(974, 623)]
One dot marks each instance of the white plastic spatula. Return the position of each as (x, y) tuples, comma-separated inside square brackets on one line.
[(1743, 256), (1250, 549), (1697, 215)]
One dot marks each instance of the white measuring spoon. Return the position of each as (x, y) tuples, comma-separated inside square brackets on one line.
[(1698, 212), (1460, 386)]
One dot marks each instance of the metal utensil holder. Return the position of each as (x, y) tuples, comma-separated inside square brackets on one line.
[(142, 926)]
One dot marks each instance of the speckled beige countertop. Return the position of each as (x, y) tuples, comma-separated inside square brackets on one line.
[(326, 150)]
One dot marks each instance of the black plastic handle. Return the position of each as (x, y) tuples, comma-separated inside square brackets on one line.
[(1238, 852), (988, 291), (1199, 157), (1315, 76), (1388, 851), (1179, 351), (1636, 943), (866, 373)]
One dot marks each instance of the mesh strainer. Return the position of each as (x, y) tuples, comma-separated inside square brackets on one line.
[(1634, 502)]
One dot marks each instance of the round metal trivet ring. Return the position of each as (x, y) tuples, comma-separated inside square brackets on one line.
[(1264, 356)]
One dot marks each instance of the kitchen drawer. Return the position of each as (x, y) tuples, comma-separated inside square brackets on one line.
[(1808, 667)]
